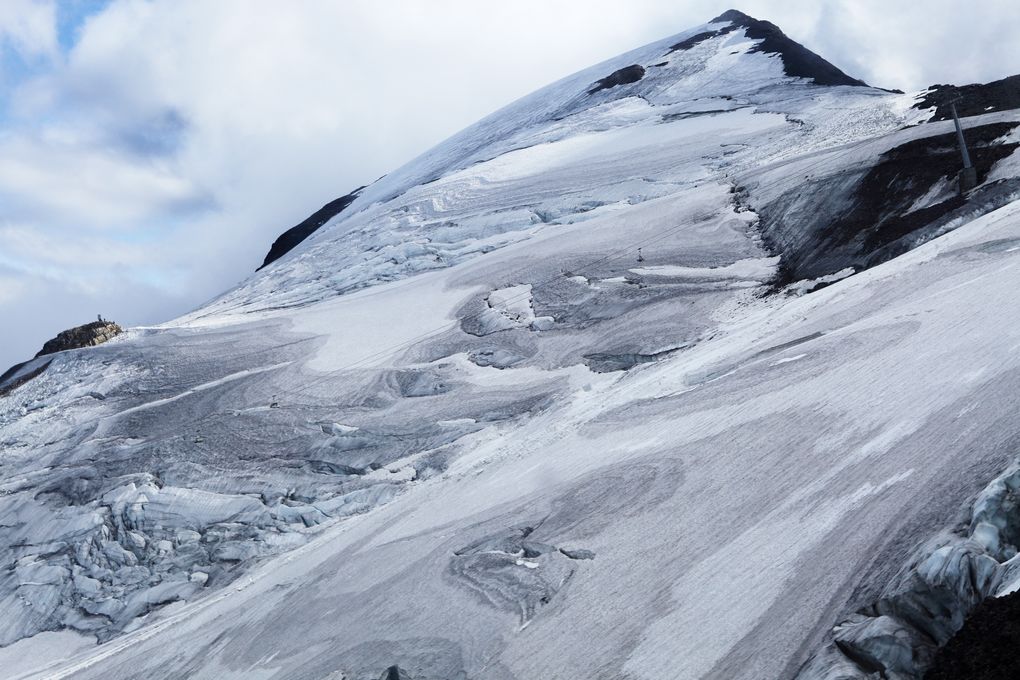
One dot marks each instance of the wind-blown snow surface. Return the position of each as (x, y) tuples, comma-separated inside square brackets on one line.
[(446, 469)]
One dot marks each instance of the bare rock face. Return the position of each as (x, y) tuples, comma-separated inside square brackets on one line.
[(89, 335), (19, 374), (298, 233), (982, 650)]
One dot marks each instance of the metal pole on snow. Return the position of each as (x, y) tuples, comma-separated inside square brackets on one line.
[(968, 176)]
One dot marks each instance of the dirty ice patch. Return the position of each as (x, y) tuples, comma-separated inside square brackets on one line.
[(509, 308), (513, 303), (750, 269)]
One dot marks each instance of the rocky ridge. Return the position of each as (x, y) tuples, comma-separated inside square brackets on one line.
[(87, 335)]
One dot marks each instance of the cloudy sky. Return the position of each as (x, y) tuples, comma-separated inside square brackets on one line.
[(151, 150)]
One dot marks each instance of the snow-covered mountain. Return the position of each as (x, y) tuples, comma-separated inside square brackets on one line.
[(695, 364)]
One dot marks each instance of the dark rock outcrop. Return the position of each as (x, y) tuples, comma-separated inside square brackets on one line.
[(973, 100), (624, 76), (13, 378), (395, 673), (286, 241), (11, 372), (89, 335), (798, 61), (868, 216), (985, 648), (698, 38)]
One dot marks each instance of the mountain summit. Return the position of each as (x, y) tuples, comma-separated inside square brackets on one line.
[(656, 70), (798, 61), (697, 363)]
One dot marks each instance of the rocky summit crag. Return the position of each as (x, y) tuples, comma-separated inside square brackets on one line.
[(87, 335)]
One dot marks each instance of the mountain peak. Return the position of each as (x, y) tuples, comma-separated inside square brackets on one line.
[(733, 16), (798, 61)]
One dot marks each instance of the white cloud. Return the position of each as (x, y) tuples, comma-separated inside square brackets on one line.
[(11, 288), (29, 27), (912, 46), (166, 150), (88, 186)]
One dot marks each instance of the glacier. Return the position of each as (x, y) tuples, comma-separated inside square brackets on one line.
[(594, 388)]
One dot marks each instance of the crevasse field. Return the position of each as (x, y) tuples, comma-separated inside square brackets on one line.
[(540, 404)]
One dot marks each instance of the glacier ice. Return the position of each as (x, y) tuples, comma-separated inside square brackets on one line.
[(544, 385)]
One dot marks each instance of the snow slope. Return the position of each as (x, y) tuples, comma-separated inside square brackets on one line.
[(468, 428)]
